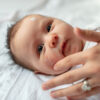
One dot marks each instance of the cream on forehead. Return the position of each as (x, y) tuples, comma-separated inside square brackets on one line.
[(33, 19)]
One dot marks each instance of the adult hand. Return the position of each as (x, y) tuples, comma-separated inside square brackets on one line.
[(90, 70)]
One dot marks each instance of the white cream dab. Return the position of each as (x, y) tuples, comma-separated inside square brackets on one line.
[(33, 19)]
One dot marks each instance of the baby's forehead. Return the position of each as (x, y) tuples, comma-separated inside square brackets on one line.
[(34, 17)]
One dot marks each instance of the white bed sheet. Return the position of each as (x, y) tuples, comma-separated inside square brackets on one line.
[(17, 83)]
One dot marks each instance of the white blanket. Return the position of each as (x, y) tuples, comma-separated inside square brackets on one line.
[(17, 83)]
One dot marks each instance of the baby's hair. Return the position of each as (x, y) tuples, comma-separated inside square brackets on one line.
[(11, 34)]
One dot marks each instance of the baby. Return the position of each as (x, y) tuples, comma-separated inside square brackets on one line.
[(37, 42)]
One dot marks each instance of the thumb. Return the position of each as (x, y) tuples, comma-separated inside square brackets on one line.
[(89, 35)]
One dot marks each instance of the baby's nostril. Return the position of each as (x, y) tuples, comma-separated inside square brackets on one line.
[(53, 43), (56, 37), (54, 40)]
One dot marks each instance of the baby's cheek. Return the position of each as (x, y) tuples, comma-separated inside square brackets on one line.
[(51, 59)]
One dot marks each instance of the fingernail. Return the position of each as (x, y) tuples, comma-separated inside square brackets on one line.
[(44, 87), (53, 94), (56, 68)]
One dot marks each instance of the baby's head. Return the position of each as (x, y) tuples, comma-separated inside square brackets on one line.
[(38, 42)]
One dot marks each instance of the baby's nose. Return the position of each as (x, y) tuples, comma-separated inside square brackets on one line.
[(53, 41)]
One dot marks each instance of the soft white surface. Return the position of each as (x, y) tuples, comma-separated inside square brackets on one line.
[(17, 83)]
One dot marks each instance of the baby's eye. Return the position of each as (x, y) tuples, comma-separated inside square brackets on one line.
[(48, 27), (40, 47)]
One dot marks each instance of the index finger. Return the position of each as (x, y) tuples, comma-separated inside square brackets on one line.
[(89, 35)]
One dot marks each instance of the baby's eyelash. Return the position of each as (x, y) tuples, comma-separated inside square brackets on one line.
[(49, 27), (39, 48)]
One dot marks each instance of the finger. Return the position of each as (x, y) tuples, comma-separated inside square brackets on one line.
[(75, 90), (70, 91), (94, 91), (72, 60), (69, 77), (87, 34)]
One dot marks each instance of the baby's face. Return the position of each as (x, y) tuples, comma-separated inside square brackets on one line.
[(42, 41)]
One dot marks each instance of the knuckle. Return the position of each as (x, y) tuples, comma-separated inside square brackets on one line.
[(90, 55), (88, 33), (69, 60), (93, 53), (69, 77), (61, 93), (53, 83), (86, 95), (86, 56), (95, 70), (78, 90)]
